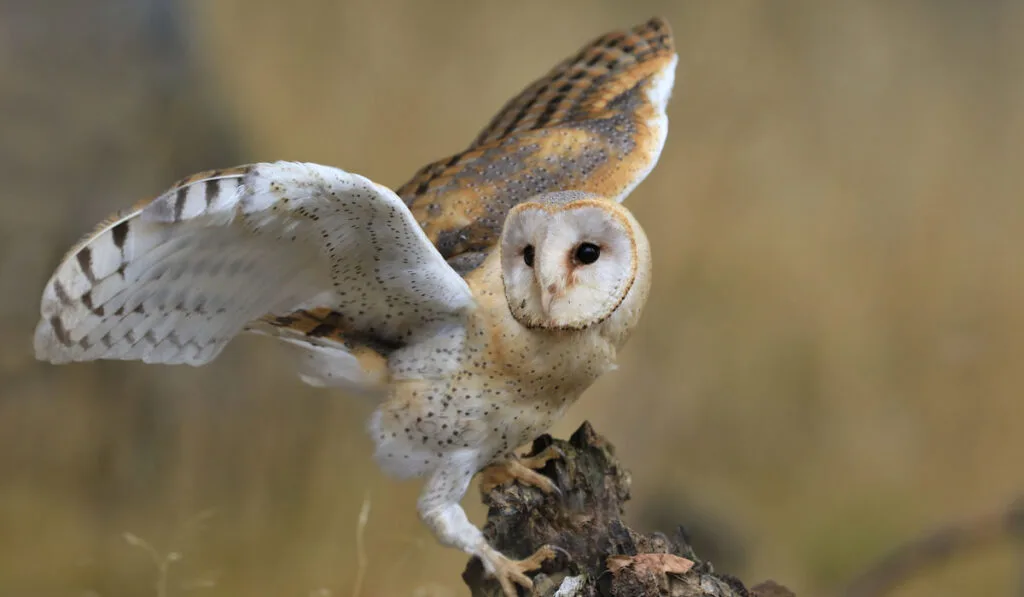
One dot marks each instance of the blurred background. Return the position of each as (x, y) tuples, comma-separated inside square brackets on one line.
[(829, 364)]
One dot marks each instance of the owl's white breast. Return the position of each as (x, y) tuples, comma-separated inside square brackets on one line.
[(508, 384)]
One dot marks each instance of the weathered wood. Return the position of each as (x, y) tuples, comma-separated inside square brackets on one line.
[(585, 524)]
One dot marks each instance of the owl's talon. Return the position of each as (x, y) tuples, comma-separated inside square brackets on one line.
[(510, 572), (541, 459), (521, 469)]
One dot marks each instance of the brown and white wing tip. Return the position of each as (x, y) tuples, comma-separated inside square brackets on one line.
[(174, 279), (86, 293), (582, 86), (577, 90)]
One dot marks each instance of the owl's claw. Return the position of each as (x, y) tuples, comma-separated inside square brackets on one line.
[(540, 459), (521, 469), (513, 572)]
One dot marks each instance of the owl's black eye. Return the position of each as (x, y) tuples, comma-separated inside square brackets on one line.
[(587, 253), (528, 255)]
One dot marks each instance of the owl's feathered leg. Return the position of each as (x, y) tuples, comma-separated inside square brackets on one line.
[(521, 469), (440, 510)]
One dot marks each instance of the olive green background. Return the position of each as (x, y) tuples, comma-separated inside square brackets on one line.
[(830, 362)]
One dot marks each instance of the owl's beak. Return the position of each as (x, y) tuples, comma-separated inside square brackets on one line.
[(545, 300), (548, 293), (549, 277)]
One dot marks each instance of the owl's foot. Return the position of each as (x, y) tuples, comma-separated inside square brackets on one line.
[(513, 572), (541, 458), (521, 469)]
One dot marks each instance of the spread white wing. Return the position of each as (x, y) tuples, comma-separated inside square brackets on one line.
[(174, 279)]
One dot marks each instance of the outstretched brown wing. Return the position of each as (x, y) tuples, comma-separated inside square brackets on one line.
[(595, 123)]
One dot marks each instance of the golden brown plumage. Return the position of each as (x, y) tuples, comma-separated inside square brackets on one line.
[(594, 123)]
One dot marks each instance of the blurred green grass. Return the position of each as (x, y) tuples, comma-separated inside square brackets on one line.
[(829, 362)]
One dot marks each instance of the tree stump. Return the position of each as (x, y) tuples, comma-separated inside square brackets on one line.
[(598, 554)]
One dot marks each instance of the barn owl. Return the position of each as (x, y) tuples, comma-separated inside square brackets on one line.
[(476, 303)]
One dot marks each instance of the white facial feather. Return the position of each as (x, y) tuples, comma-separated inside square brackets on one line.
[(558, 290)]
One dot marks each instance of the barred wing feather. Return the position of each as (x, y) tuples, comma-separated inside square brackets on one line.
[(174, 279)]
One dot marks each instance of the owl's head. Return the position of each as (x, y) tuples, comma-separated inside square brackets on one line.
[(571, 260)]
